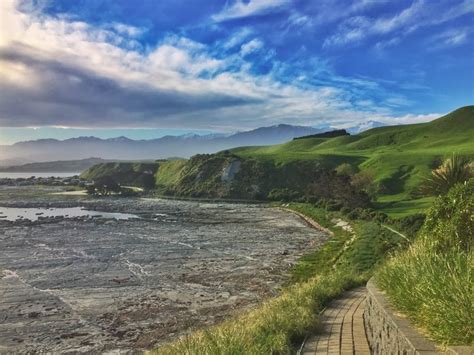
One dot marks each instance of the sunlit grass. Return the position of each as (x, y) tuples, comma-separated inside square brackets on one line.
[(432, 281)]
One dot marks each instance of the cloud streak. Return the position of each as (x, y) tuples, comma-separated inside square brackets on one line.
[(419, 13), (241, 9)]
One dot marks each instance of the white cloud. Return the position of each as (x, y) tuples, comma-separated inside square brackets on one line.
[(130, 31), (240, 9), (237, 38), (450, 38), (251, 46), (410, 118), (72, 74)]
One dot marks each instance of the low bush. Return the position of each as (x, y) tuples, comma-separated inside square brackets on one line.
[(283, 194), (409, 225)]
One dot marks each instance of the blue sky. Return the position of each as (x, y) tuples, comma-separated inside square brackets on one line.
[(149, 68)]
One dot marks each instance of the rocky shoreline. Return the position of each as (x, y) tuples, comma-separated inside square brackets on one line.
[(88, 285)]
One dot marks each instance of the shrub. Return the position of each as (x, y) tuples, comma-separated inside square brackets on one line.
[(364, 181), (380, 217), (128, 192), (451, 172), (410, 225), (450, 223), (147, 181), (345, 169), (283, 194), (345, 210), (104, 186)]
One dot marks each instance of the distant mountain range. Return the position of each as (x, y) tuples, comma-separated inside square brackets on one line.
[(123, 148)]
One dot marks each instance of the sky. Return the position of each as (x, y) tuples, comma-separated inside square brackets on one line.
[(148, 68)]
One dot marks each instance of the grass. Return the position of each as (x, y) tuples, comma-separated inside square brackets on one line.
[(431, 282), (399, 206), (169, 172), (434, 290), (278, 325), (361, 250)]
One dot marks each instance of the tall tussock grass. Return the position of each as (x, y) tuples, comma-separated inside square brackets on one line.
[(274, 327), (432, 281)]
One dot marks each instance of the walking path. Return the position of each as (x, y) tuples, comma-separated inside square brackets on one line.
[(342, 328)]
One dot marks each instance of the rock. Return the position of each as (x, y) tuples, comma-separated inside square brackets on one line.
[(229, 171)]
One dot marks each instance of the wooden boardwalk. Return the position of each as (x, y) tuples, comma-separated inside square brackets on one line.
[(342, 328)]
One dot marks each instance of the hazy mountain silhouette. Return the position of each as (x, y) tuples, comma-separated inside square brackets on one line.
[(124, 148)]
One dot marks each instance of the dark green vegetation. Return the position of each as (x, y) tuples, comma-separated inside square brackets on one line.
[(107, 186), (453, 171), (139, 174), (330, 134), (432, 281)]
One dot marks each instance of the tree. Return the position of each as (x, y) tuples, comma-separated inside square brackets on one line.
[(148, 181), (345, 169), (106, 185), (90, 189), (329, 186), (452, 171), (364, 181)]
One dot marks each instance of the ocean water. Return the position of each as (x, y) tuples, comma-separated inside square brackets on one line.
[(32, 214), (8, 175)]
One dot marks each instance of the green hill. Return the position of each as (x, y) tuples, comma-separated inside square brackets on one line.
[(398, 156)]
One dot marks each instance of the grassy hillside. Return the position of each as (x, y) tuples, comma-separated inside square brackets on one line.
[(398, 156)]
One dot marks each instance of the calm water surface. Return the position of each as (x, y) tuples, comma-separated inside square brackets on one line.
[(7, 175), (32, 214)]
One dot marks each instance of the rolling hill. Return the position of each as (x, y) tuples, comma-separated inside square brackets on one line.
[(397, 155)]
